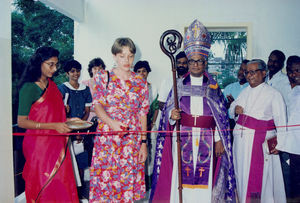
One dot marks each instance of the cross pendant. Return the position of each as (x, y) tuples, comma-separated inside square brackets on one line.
[(195, 119)]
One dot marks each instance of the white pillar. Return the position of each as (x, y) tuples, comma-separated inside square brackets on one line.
[(6, 151)]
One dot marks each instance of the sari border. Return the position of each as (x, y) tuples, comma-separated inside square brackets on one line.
[(57, 165)]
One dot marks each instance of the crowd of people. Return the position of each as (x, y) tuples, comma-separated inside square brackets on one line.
[(236, 145)]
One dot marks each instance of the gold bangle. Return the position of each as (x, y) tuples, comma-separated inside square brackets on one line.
[(38, 125)]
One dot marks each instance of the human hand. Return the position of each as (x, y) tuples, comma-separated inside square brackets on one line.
[(67, 108), (143, 153), (152, 125), (120, 127), (61, 128), (175, 114), (219, 148), (274, 151), (238, 110)]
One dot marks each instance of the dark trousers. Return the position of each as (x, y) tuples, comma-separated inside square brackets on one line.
[(295, 177), (284, 156)]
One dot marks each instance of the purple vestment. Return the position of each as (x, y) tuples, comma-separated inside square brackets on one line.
[(214, 105)]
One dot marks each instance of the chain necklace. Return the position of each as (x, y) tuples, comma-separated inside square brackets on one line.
[(42, 85)]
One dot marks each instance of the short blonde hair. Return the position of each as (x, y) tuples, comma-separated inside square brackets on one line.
[(123, 42)]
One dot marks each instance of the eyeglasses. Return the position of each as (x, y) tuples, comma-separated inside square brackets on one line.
[(251, 72), (52, 64), (198, 62)]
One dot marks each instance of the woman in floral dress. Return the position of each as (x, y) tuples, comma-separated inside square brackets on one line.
[(121, 102)]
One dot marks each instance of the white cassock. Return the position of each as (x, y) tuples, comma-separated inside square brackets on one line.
[(263, 103), (192, 195)]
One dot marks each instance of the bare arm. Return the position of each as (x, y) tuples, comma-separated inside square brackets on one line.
[(86, 113), (24, 122), (154, 118)]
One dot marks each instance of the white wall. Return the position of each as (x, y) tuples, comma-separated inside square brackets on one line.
[(274, 26), (6, 168)]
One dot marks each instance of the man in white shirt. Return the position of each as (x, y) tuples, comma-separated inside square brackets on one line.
[(166, 85), (292, 140), (258, 109), (277, 79), (232, 91)]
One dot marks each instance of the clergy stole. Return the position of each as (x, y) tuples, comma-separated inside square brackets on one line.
[(196, 177), (257, 157)]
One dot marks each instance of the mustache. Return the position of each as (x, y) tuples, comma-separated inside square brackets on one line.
[(181, 68)]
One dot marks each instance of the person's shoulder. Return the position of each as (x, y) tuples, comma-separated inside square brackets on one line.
[(138, 78), (296, 91), (245, 91), (230, 85), (82, 86), (271, 90), (64, 86), (282, 77), (29, 86), (102, 73)]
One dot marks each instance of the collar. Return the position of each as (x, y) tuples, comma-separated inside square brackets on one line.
[(258, 86), (81, 86), (187, 79), (276, 75)]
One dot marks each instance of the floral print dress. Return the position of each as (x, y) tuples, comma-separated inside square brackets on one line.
[(116, 175)]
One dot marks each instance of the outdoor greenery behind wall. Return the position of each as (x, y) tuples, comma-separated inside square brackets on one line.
[(35, 25), (224, 65)]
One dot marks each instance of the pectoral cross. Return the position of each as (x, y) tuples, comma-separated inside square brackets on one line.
[(187, 169), (201, 170), (195, 119), (196, 30)]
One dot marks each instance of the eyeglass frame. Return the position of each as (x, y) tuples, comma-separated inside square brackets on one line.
[(51, 64), (252, 72), (193, 62)]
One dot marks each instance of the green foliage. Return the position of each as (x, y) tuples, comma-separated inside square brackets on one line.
[(35, 25), (228, 80), (235, 44), (235, 47)]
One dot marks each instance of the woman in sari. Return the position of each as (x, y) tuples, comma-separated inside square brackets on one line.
[(48, 171), (121, 103)]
